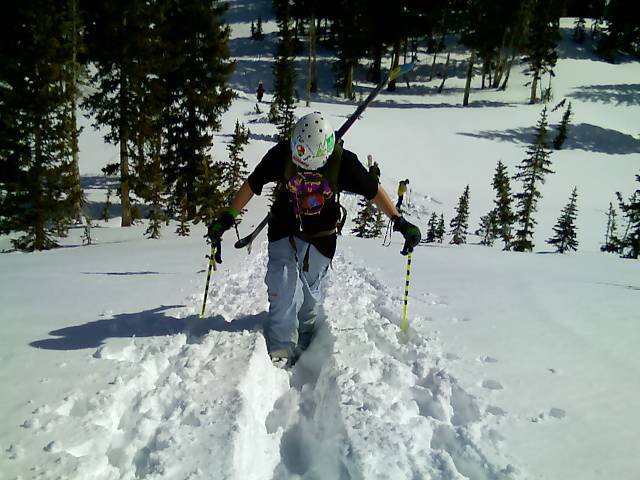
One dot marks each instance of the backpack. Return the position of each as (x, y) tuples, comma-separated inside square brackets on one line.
[(309, 190)]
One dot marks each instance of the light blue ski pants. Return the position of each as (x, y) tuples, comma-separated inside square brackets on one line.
[(294, 294)]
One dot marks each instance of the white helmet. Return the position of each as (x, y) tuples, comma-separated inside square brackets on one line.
[(312, 141)]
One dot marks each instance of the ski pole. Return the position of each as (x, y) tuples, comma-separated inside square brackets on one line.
[(406, 295), (212, 266), (386, 234)]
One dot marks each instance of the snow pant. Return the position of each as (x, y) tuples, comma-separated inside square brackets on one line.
[(399, 202), (294, 280)]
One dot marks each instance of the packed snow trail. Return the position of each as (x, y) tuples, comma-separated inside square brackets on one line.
[(361, 403)]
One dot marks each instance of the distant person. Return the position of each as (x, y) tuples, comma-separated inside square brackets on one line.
[(402, 190), (375, 171), (260, 91)]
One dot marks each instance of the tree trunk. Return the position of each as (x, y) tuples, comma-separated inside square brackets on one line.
[(534, 86), (312, 24), (467, 88), (314, 63), (38, 227), (445, 73), (348, 81), (376, 72), (433, 67), (509, 65), (77, 208), (396, 61)]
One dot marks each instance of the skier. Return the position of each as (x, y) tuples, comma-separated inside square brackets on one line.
[(402, 190), (260, 92), (311, 170)]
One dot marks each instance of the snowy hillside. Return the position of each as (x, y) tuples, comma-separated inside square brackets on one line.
[(516, 366)]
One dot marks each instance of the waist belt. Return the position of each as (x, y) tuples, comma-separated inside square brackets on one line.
[(312, 236)]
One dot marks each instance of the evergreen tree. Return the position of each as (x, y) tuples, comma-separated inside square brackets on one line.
[(542, 41), (440, 230), (579, 30), (38, 181), (283, 105), (119, 37), (504, 213), (349, 20), (432, 226), (611, 240), (531, 173), (622, 33), (259, 35), (489, 228), (565, 228), (236, 169), (370, 221), (562, 129), (459, 223), (197, 41), (107, 205), (630, 244)]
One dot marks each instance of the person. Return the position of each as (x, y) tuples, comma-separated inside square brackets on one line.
[(260, 91), (402, 190), (311, 170)]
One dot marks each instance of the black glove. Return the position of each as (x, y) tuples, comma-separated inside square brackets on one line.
[(217, 228), (409, 231)]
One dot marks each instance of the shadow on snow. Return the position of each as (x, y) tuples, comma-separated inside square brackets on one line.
[(148, 323), (583, 136)]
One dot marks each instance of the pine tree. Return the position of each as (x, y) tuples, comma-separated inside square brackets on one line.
[(504, 213), (38, 194), (432, 226), (235, 170), (364, 219), (542, 41), (622, 32), (563, 128), (531, 173), (579, 30), (611, 240), (283, 105), (565, 229), (630, 244), (440, 230), (106, 208), (86, 237), (259, 31), (119, 37), (379, 223), (196, 38), (489, 229), (459, 223)]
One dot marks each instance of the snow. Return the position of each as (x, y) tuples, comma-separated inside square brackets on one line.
[(515, 366)]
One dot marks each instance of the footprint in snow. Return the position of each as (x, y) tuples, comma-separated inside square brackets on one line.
[(492, 385), (553, 413), (488, 359)]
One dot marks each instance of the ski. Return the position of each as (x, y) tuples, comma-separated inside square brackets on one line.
[(393, 74), (248, 240)]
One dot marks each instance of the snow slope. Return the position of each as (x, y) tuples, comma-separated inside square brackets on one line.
[(516, 366)]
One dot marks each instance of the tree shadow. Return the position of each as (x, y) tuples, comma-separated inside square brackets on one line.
[(627, 94), (583, 136), (148, 323)]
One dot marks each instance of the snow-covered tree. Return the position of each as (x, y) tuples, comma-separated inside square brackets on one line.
[(235, 170), (531, 173), (459, 223), (565, 229)]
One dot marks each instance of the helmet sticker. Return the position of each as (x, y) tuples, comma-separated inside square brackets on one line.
[(300, 150)]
